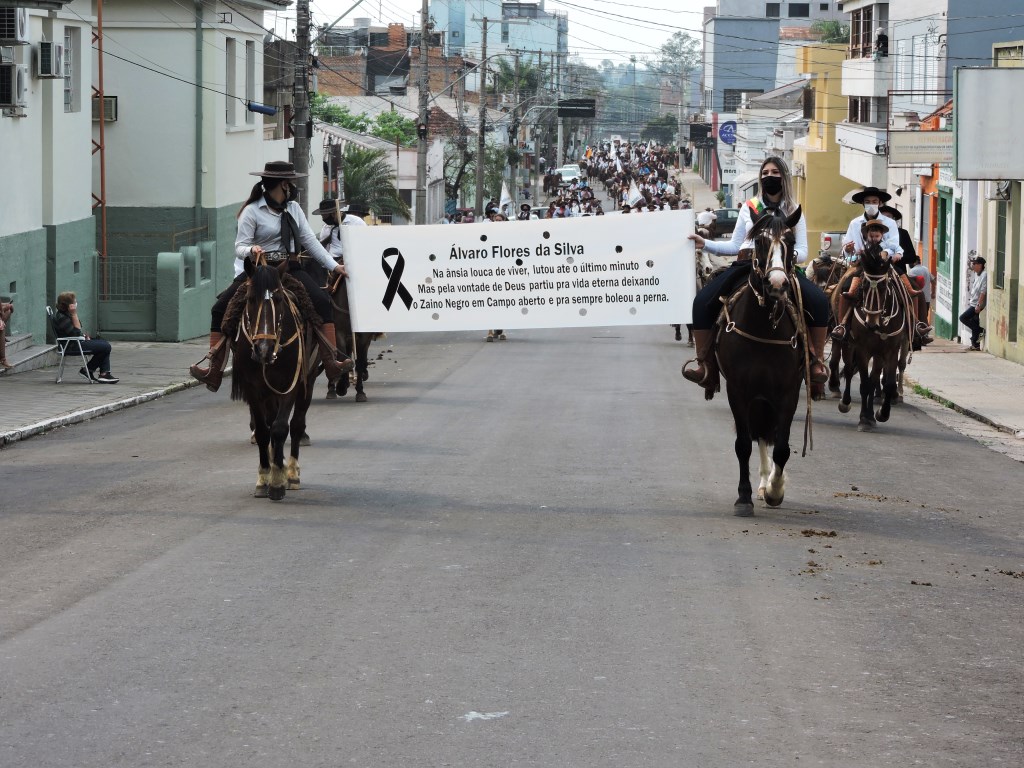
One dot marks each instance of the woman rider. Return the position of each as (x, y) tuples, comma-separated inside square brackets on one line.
[(776, 189), (271, 224)]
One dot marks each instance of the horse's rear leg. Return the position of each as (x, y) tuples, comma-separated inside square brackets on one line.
[(889, 389), (868, 383), (764, 470)]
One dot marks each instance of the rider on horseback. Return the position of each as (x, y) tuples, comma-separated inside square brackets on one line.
[(776, 193), (854, 244), (272, 225)]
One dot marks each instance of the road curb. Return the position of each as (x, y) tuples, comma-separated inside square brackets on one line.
[(927, 393), (86, 414)]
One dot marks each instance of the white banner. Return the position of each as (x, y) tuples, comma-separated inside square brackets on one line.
[(553, 273)]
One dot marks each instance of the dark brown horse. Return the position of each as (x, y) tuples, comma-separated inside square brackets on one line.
[(355, 345), (761, 352), (880, 331), (275, 365), (826, 272)]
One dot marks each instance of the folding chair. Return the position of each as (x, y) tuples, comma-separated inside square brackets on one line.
[(63, 344)]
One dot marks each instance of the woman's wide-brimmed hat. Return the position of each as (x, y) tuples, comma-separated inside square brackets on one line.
[(327, 207), (278, 169), (881, 194)]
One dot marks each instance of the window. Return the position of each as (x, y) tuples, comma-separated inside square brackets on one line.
[(999, 269), (862, 36), (808, 103), (504, 32), (250, 78), (799, 10), (72, 56), (823, 6), (230, 82), (772, 10)]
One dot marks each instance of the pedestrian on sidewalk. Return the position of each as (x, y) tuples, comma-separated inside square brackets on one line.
[(66, 323), (976, 303), (6, 310)]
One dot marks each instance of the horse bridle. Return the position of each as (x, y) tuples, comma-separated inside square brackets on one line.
[(246, 324)]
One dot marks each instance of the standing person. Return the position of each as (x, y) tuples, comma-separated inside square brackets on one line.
[(922, 279), (6, 310), (976, 303), (776, 188), (330, 232), (271, 224), (66, 323)]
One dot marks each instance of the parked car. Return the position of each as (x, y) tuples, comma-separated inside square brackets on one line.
[(725, 221)]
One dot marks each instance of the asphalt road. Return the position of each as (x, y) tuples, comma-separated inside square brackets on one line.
[(516, 554)]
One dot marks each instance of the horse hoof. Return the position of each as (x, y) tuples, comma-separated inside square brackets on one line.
[(844, 407), (882, 417), (772, 501), (332, 394), (865, 426), (360, 397), (899, 398), (304, 441), (260, 492), (276, 493), (252, 438), (743, 509), (293, 485)]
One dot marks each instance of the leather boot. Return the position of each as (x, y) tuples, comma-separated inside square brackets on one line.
[(816, 341), (217, 356), (842, 313), (706, 372), (325, 339)]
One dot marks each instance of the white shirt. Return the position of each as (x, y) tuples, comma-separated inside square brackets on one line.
[(890, 243), (259, 224), (978, 287), (740, 240), (335, 233), (706, 217)]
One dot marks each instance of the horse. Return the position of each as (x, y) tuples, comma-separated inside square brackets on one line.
[(880, 332), (762, 352), (275, 365), (826, 272), (355, 345)]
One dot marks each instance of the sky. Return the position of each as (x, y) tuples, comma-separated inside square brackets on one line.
[(598, 29)]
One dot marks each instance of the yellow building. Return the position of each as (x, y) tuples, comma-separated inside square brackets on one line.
[(819, 187)]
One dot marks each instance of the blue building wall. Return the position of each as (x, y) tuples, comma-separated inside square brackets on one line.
[(745, 56), (971, 35)]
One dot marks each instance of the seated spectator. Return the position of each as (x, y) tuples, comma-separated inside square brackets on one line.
[(6, 310), (66, 323)]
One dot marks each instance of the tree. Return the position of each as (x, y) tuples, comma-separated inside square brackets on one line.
[(335, 114), (831, 31), (677, 57), (392, 127), (503, 79), (662, 129), (370, 180)]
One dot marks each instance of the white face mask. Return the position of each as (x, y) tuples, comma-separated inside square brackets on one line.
[(871, 210)]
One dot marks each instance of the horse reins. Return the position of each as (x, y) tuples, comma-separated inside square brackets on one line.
[(244, 329)]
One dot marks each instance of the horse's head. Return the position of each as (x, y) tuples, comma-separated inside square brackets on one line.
[(263, 306), (774, 238)]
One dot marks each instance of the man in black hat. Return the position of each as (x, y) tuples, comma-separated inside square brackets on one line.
[(330, 233), (524, 212), (976, 301), (853, 243), (272, 226)]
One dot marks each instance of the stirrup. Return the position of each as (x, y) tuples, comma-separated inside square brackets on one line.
[(839, 333), (693, 375)]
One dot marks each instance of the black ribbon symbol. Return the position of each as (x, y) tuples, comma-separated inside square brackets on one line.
[(395, 278)]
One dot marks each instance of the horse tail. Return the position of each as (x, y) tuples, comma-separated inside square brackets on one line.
[(237, 388)]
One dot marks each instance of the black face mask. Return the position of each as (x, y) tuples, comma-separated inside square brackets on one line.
[(771, 185)]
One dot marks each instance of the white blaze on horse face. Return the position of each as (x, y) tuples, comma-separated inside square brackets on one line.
[(777, 263), (266, 295)]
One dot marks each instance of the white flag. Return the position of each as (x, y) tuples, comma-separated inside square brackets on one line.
[(635, 195), (618, 164), (506, 198)]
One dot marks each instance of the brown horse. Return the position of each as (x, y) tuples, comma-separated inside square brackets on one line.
[(355, 344), (826, 272), (274, 369), (762, 354), (880, 332)]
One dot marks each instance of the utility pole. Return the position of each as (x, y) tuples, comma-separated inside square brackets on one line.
[(300, 98), (514, 136), (479, 206), (422, 127)]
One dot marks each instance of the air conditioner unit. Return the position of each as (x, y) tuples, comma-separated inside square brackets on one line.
[(109, 109), (13, 86), (13, 26), (998, 190), (50, 60)]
